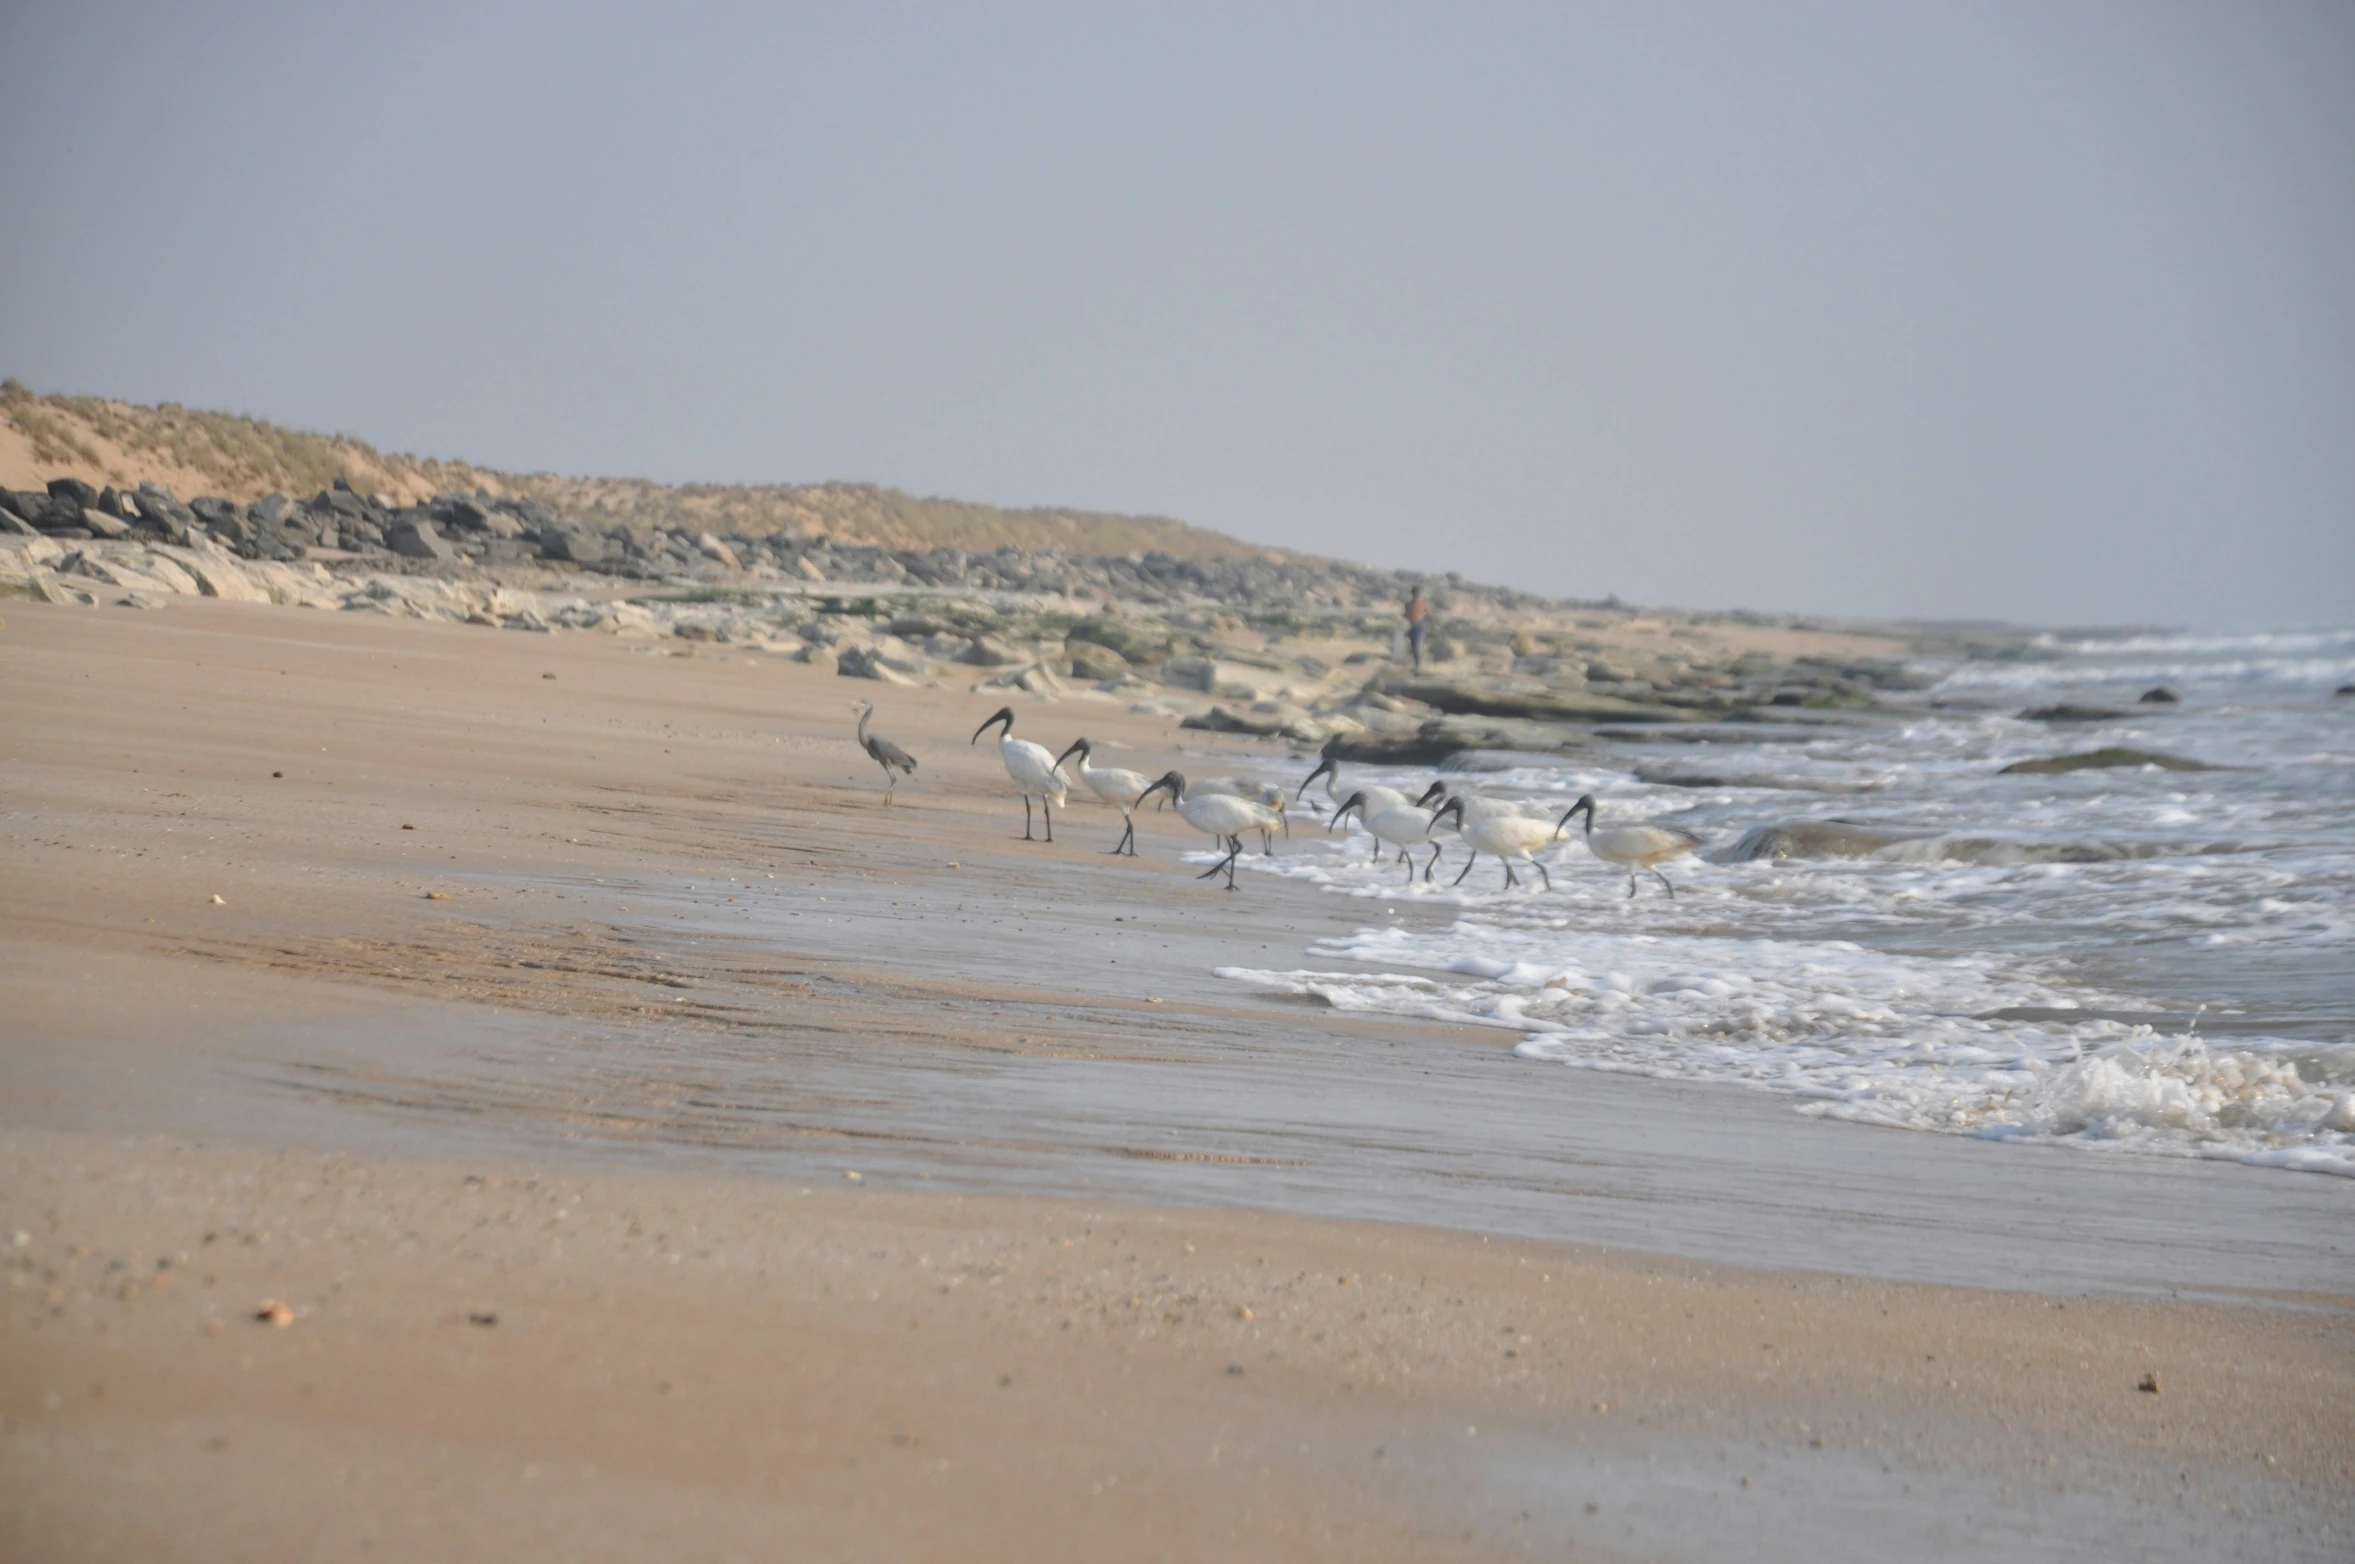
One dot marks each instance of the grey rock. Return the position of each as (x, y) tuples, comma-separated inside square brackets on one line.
[(270, 508), (339, 502), (2160, 696), (462, 511), (1220, 720), (987, 651), (102, 525), (1090, 661), (1190, 673), (12, 523), (866, 662), (417, 539), (2068, 712), (2114, 758), (580, 548), (82, 494), (1431, 747), (158, 491)]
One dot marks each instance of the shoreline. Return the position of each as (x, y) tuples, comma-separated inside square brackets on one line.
[(407, 981)]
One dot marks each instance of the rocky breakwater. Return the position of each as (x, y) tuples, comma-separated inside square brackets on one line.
[(336, 524), (1263, 643)]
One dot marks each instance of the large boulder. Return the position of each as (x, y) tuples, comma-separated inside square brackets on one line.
[(571, 544), (866, 662), (987, 651), (1469, 698), (216, 572), (101, 525), (2114, 757), (221, 518), (1093, 662), (2068, 711), (1220, 720), (270, 509), (417, 539), (1189, 673), (82, 495)]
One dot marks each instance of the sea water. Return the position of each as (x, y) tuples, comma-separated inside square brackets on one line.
[(2134, 959)]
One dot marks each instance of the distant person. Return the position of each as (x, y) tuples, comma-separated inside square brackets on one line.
[(1418, 625)]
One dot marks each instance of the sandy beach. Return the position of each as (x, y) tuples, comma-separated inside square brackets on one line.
[(654, 1146)]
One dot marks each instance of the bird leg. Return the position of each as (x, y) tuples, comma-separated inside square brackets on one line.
[(1663, 879), (1510, 882), (1026, 836), (1541, 874), (1436, 850), (1459, 879), (1127, 838), (1046, 810), (1631, 885)]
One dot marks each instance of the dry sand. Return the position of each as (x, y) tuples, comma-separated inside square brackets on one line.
[(520, 1061)]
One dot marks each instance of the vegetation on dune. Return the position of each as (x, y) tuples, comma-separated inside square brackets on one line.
[(243, 458)]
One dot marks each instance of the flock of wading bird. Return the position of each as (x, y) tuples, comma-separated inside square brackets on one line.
[(1229, 808)]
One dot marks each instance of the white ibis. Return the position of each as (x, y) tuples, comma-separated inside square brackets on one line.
[(1476, 808), (1403, 826), (1632, 847), (1223, 816), (1378, 798), (1031, 767), (1121, 789), (893, 759), (1267, 795), (1508, 836)]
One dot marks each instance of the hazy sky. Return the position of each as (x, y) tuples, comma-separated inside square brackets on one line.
[(2040, 311)]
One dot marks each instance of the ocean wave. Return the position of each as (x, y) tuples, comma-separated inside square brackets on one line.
[(2276, 643), (1910, 1042), (2283, 672), (1842, 839)]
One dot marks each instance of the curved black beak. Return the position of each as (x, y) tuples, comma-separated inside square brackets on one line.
[(1324, 768), (1455, 807), (1172, 783), (1005, 714), (1078, 747), (1355, 801), (1431, 794), (1586, 801)]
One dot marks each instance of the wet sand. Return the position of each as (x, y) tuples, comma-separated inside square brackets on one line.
[(494, 941)]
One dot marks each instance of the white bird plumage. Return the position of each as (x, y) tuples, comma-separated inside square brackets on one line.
[(1632, 847), (1225, 816), (1115, 786), (1033, 769), (1378, 798), (1403, 826), (1267, 795), (1507, 836)]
